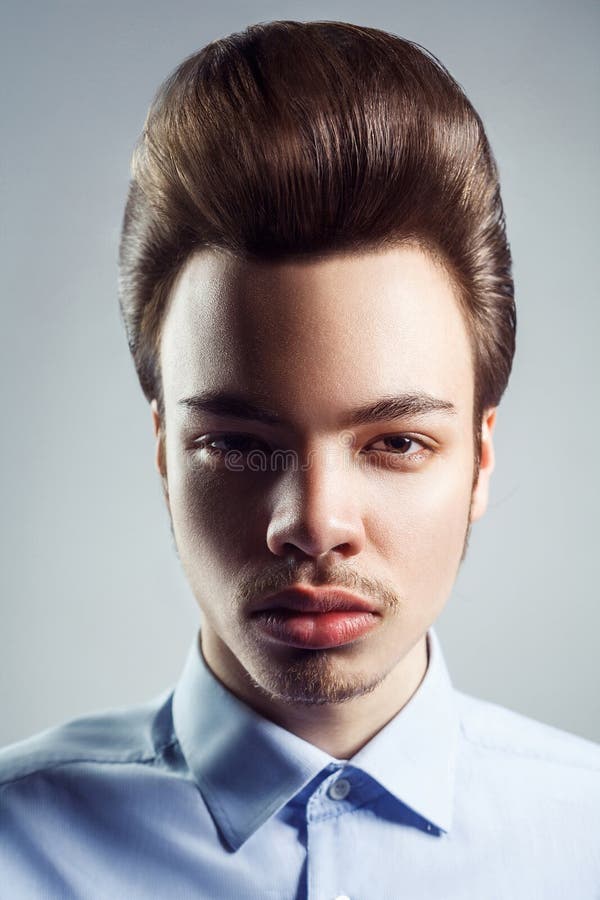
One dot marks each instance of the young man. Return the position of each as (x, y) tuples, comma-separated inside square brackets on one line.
[(316, 287)]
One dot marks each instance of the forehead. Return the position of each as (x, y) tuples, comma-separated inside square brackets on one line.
[(318, 334)]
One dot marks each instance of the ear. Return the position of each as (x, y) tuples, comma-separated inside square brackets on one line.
[(481, 490), (160, 461)]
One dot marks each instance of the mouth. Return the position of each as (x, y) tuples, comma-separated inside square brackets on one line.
[(313, 618)]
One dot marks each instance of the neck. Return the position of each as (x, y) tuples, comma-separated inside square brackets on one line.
[(339, 729)]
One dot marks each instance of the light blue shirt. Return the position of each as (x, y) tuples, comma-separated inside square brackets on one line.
[(194, 795)]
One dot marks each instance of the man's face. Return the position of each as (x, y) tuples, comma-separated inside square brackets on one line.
[(379, 505)]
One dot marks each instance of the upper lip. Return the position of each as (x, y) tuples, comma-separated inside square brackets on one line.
[(316, 600)]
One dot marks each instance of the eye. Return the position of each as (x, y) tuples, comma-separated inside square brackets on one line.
[(401, 445), (222, 444)]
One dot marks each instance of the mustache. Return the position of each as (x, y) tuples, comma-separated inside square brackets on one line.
[(293, 573)]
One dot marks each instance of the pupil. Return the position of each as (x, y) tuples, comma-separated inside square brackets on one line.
[(400, 443), (238, 443)]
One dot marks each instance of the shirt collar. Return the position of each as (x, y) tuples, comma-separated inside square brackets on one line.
[(247, 767)]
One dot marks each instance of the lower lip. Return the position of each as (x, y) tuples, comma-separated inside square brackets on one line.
[(316, 630)]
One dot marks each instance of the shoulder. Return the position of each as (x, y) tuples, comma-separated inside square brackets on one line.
[(519, 760), (533, 791), (503, 731), (134, 734)]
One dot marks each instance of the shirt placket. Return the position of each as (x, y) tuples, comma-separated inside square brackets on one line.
[(335, 797)]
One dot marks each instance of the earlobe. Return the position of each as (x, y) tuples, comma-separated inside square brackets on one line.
[(159, 455), (479, 500), (155, 417)]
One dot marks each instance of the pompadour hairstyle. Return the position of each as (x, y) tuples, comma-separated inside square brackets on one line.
[(298, 138)]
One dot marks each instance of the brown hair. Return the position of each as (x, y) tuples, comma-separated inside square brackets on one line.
[(294, 138)]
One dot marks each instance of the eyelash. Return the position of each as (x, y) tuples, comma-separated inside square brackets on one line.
[(424, 451), (204, 444)]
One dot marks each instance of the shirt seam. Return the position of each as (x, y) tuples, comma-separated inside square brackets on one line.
[(139, 760), (336, 812), (208, 794), (358, 808), (530, 754)]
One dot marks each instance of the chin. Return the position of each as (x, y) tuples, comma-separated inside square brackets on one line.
[(312, 677)]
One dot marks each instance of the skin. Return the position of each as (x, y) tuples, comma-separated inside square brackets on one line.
[(364, 508)]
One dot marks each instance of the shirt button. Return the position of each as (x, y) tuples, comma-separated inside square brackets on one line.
[(337, 791)]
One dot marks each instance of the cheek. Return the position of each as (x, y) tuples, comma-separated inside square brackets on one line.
[(420, 528), (212, 515)]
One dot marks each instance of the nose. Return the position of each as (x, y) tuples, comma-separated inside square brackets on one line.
[(316, 511)]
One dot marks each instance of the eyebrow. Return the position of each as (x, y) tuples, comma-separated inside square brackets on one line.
[(398, 406)]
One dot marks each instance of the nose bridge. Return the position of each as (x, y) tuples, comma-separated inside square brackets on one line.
[(316, 509)]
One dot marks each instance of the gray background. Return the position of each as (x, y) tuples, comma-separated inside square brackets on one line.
[(95, 610)]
